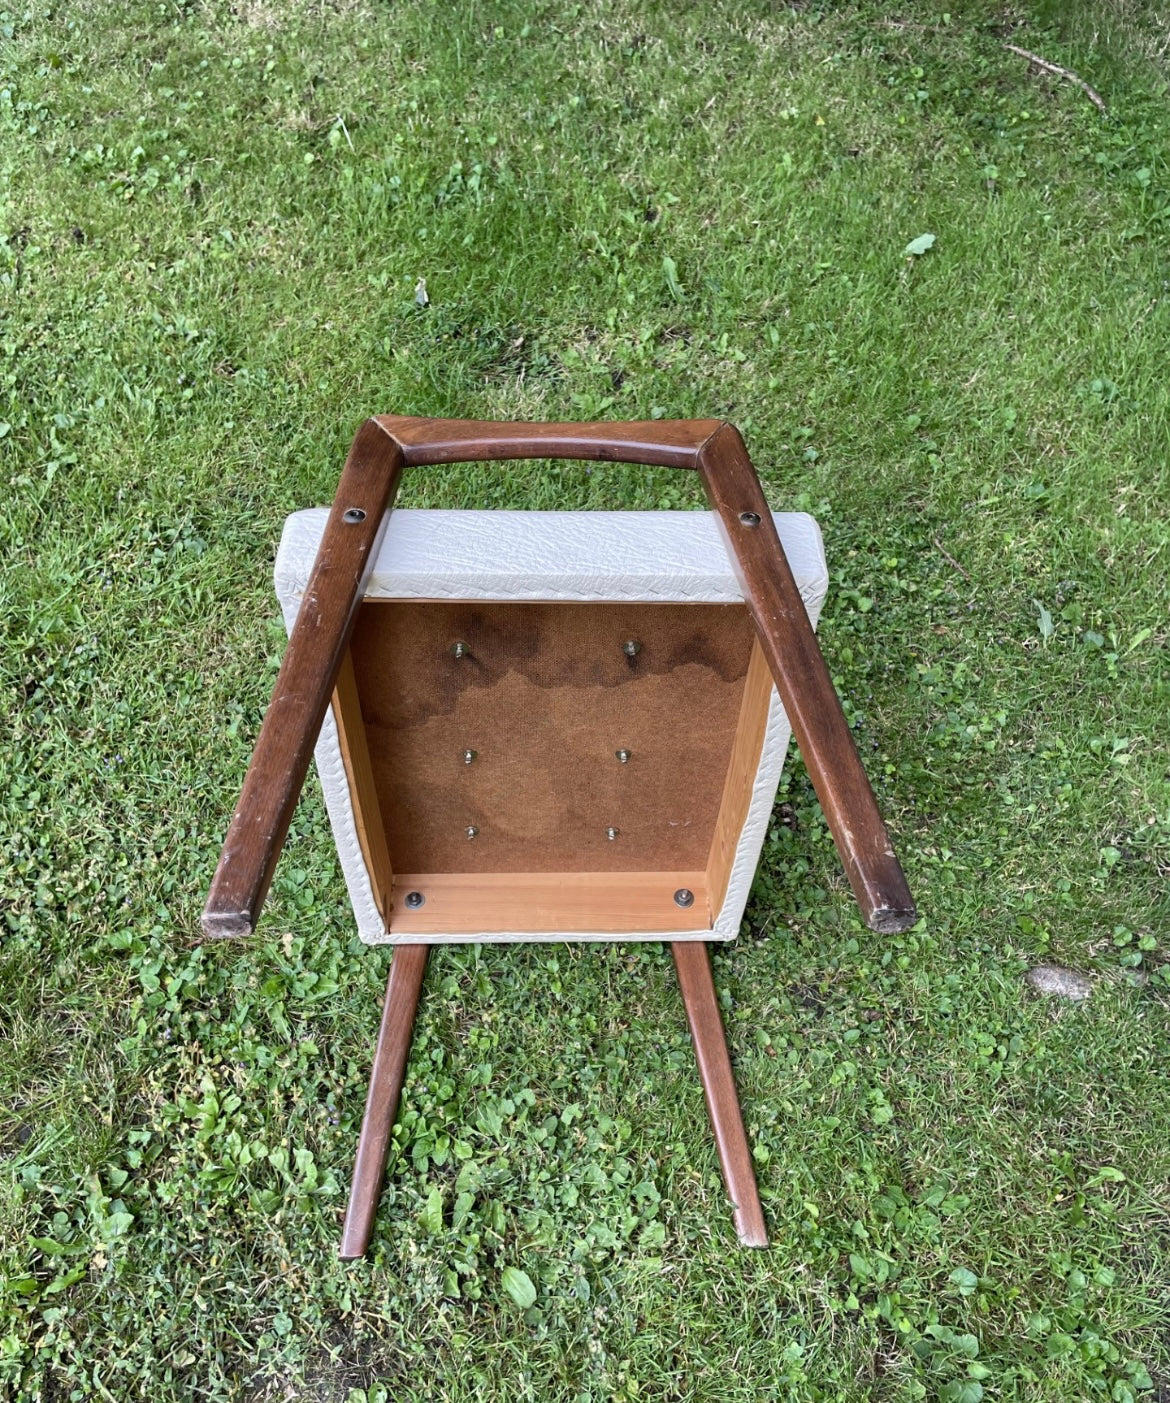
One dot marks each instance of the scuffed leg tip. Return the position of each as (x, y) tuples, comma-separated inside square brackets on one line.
[(751, 1234), (352, 1248), (222, 925), (889, 920)]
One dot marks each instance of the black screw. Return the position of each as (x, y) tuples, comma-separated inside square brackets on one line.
[(414, 899), (684, 897), (749, 518), (352, 515)]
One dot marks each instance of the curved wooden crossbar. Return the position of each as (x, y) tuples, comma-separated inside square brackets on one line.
[(664, 443), (381, 450)]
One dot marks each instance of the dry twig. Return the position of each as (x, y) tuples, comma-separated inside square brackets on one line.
[(946, 555), (1091, 93)]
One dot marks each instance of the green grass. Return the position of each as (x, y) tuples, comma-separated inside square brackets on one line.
[(212, 222)]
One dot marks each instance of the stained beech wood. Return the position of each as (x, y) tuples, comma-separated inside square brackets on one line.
[(803, 681), (693, 965), (304, 684), (670, 443), (367, 812), (313, 657), (390, 1056), (741, 777), (568, 903), (317, 667)]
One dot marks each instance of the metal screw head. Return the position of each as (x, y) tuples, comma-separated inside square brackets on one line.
[(415, 899), (471, 830), (623, 756), (461, 650), (469, 756), (749, 518), (631, 648), (352, 515), (684, 897), (612, 833)]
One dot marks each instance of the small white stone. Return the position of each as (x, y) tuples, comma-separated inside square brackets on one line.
[(1065, 983)]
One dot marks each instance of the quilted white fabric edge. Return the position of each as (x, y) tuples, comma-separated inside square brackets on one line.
[(652, 557), (648, 556)]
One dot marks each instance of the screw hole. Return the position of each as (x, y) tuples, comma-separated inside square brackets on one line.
[(352, 515), (749, 518)]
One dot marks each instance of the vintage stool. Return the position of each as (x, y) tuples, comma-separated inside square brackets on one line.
[(550, 726)]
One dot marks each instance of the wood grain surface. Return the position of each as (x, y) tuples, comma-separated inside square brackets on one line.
[(545, 695), (390, 1056), (565, 903), (670, 443), (805, 687), (367, 811), (740, 780), (693, 965), (304, 684)]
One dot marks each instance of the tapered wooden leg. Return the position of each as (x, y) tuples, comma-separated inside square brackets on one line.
[(805, 685), (698, 992), (369, 1170)]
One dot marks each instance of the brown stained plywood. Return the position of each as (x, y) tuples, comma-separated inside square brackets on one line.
[(545, 696)]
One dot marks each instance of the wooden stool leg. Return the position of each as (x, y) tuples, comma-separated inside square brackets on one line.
[(693, 965), (369, 1170)]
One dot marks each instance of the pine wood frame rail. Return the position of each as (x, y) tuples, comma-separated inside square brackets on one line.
[(382, 448)]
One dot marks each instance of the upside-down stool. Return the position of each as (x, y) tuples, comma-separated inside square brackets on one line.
[(550, 726)]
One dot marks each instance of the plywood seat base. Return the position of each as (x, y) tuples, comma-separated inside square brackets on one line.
[(509, 754)]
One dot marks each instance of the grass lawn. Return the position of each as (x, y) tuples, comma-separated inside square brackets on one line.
[(213, 219)]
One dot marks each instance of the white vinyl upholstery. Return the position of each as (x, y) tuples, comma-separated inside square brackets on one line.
[(646, 557)]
